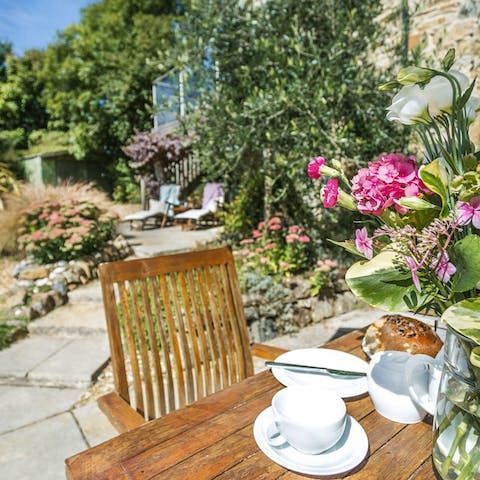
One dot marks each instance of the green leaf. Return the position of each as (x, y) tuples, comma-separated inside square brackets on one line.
[(464, 317), (416, 203), (448, 59), (348, 246), (435, 177), (385, 87), (475, 357), (466, 257), (462, 101), (380, 283), (411, 75)]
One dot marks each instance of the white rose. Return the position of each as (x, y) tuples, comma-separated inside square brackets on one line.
[(472, 107), (439, 92), (408, 106)]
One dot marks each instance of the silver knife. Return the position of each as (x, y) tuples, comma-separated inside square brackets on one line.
[(312, 369)]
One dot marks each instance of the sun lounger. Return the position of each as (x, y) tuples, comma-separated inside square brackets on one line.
[(213, 197), (159, 210)]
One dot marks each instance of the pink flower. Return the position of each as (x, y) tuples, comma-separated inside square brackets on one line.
[(38, 235), (284, 264), (363, 243), (263, 260), (259, 250), (315, 166), (331, 263), (74, 239), (261, 225), (275, 226), (274, 220), (270, 246), (385, 181), (246, 241), (244, 252), (294, 229), (469, 212), (55, 218), (56, 232), (445, 268), (304, 239), (256, 234), (330, 193), (412, 265), (291, 238)]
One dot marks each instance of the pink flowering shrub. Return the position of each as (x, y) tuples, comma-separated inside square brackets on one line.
[(274, 248), (51, 231)]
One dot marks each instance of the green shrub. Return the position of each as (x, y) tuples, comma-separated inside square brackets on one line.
[(127, 188), (51, 231), (293, 79)]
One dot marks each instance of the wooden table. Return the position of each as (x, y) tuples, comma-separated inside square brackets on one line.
[(213, 438)]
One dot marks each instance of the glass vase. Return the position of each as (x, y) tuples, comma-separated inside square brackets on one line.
[(456, 436)]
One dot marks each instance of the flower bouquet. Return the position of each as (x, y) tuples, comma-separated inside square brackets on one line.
[(423, 254)]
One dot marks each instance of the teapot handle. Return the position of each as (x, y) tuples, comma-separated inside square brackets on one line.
[(417, 378)]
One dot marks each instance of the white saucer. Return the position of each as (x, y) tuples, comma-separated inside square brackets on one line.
[(349, 452), (323, 357)]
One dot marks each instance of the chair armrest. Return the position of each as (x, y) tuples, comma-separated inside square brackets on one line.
[(266, 351), (121, 415)]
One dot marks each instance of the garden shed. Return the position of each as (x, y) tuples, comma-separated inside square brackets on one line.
[(56, 167)]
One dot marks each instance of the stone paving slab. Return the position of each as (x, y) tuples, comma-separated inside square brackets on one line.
[(159, 241), (91, 292), (24, 355), (72, 320), (23, 405), (38, 451), (94, 424), (76, 365)]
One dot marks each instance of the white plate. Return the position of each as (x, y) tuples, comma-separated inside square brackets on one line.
[(349, 452), (322, 357)]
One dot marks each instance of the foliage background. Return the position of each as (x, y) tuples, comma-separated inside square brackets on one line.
[(93, 83), (292, 80), (278, 82)]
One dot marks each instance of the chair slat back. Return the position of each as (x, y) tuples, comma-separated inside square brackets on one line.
[(176, 328)]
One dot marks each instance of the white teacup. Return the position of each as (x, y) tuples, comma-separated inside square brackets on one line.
[(422, 375), (310, 418), (389, 390)]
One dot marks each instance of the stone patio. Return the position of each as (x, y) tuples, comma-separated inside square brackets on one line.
[(44, 377)]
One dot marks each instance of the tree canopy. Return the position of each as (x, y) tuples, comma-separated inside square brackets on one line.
[(293, 80), (94, 81)]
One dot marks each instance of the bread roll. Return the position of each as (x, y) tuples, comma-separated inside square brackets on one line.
[(396, 332)]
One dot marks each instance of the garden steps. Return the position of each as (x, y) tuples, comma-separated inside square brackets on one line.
[(54, 362), (72, 320), (68, 347)]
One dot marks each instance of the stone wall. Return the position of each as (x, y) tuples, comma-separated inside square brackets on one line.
[(275, 308), (436, 26), (38, 289), (443, 24)]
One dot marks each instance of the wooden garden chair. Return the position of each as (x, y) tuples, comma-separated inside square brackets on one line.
[(177, 333)]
